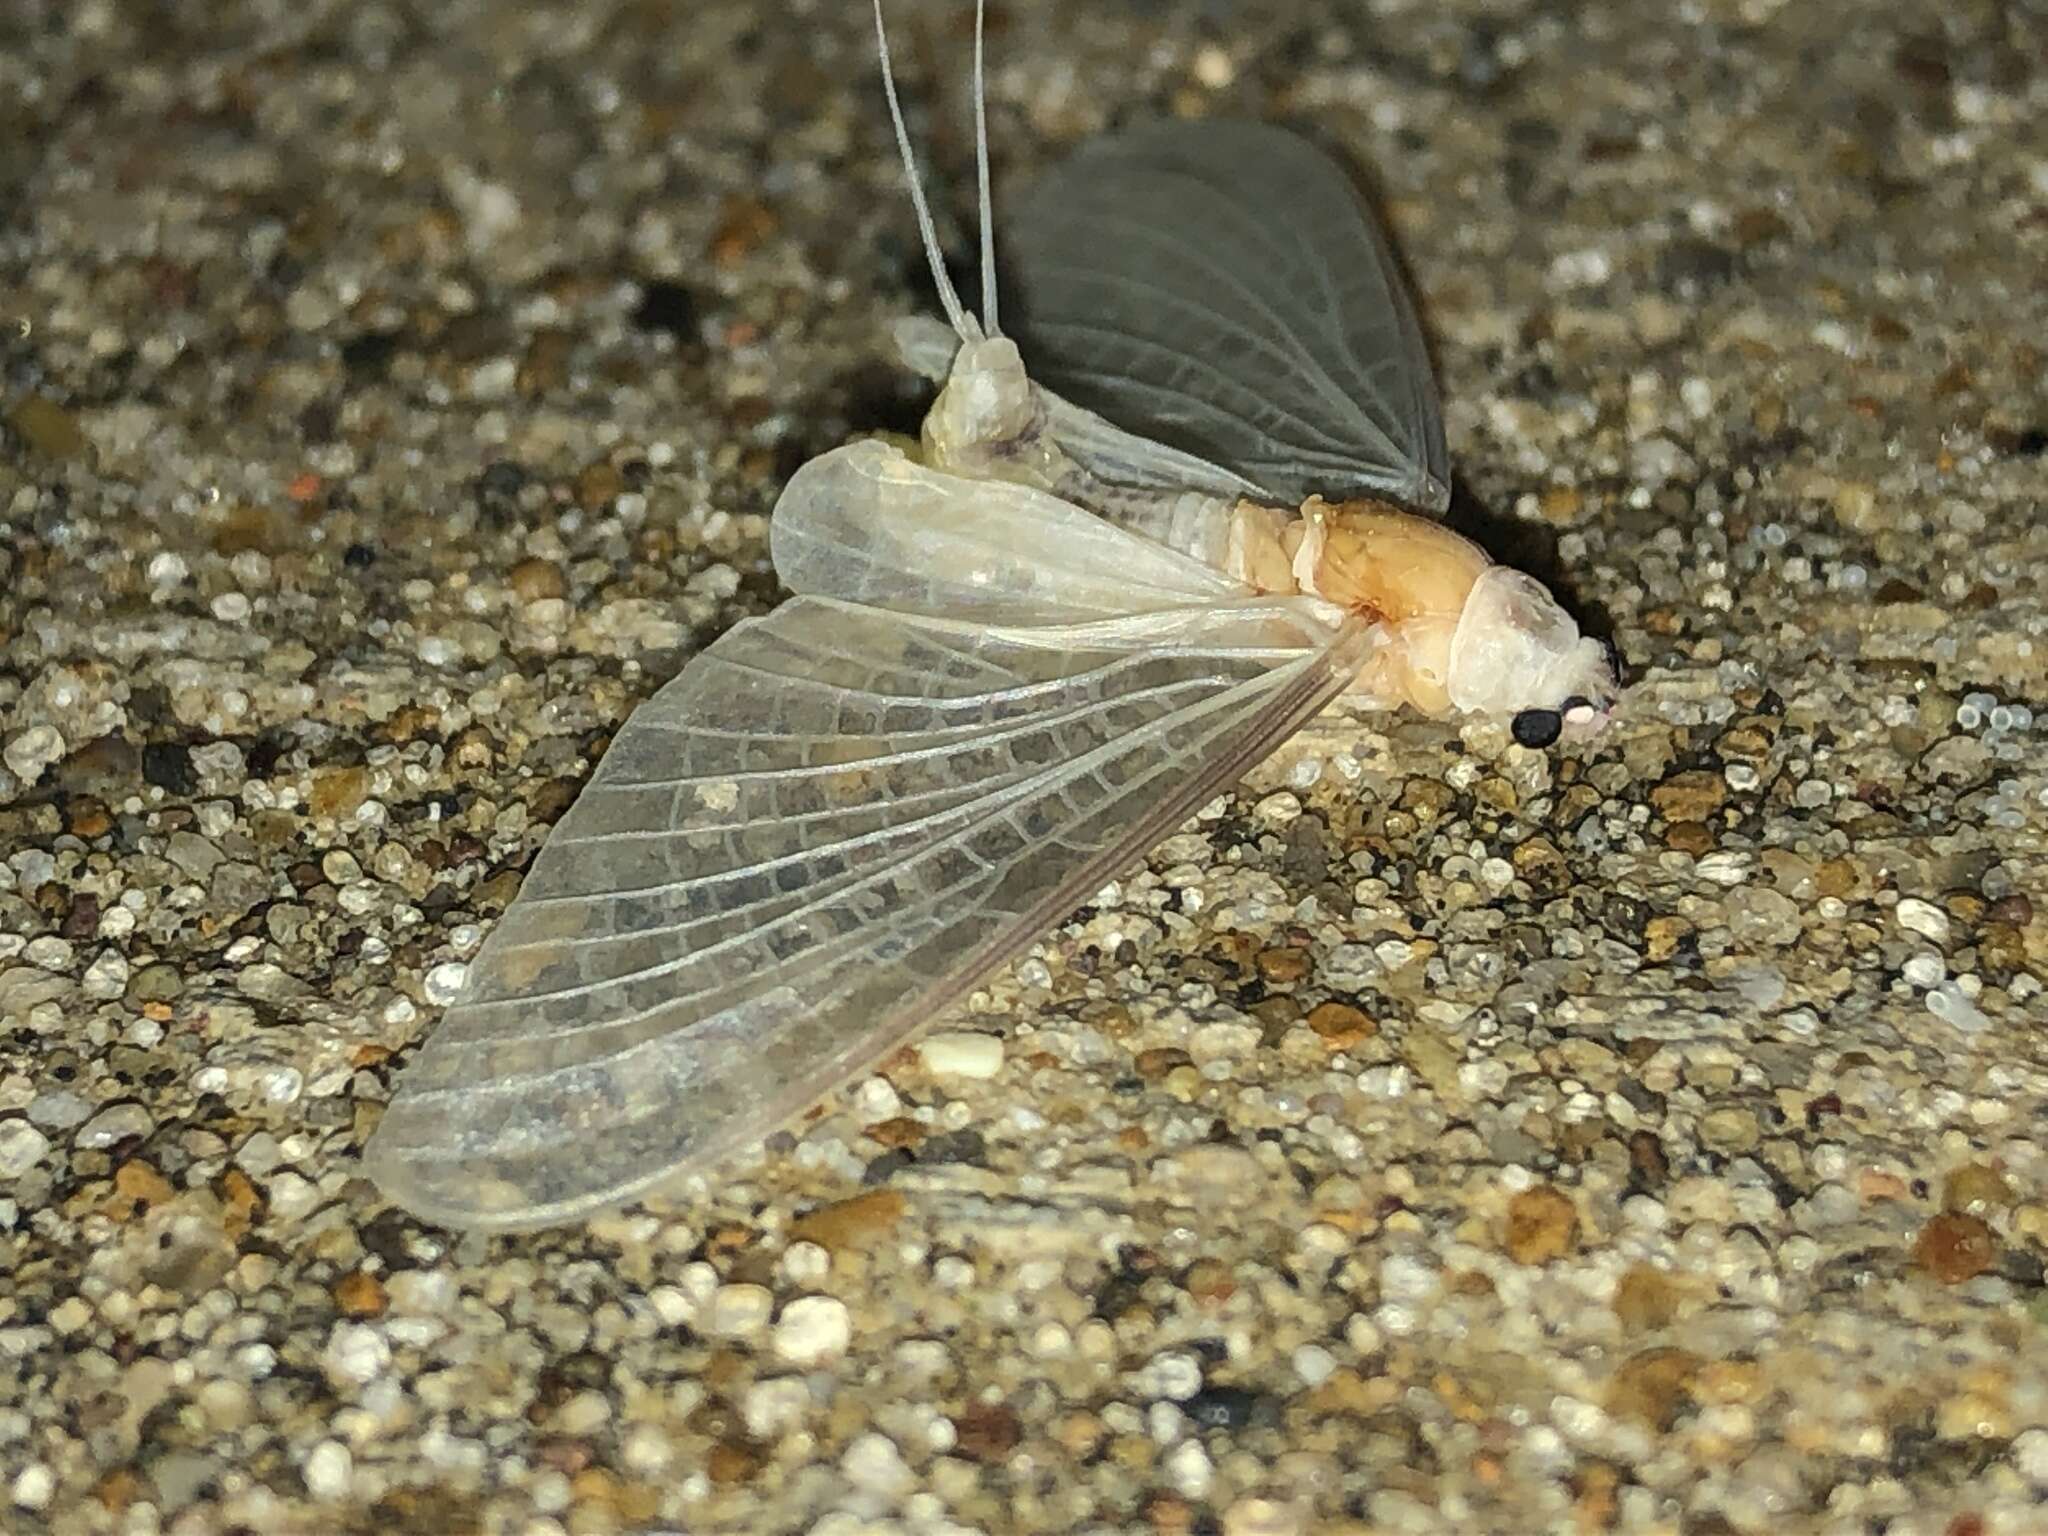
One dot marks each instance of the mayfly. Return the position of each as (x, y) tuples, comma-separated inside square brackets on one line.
[(1144, 539)]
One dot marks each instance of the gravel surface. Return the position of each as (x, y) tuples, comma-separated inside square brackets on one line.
[(1434, 1136)]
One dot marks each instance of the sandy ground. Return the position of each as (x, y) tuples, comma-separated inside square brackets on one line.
[(1435, 1136)]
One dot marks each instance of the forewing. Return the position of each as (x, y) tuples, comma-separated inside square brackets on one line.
[(866, 524), (834, 822), (1221, 288)]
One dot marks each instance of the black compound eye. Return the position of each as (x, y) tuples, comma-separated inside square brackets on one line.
[(1576, 702), (1537, 727)]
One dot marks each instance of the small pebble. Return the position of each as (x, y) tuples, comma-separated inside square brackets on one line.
[(22, 1146), (812, 1330), (961, 1053), (1542, 1225), (1923, 918), (739, 1311), (330, 1470)]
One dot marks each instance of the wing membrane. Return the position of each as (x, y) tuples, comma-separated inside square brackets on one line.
[(1219, 287), (866, 524), (834, 822)]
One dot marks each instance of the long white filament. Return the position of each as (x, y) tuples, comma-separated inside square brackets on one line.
[(988, 223), (962, 322)]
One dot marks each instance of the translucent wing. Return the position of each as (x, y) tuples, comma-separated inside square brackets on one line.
[(1220, 287), (866, 524), (833, 823)]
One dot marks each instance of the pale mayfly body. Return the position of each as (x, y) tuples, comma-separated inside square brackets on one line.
[(1145, 538)]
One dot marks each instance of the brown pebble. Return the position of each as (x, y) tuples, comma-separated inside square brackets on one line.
[(1693, 838), (1662, 936), (1974, 1189), (850, 1223), (1538, 861), (1595, 1487), (88, 818), (2001, 948), (1161, 1060), (1746, 742), (241, 1203), (1646, 1299), (47, 428), (1341, 1025), (1281, 966), (1690, 796), (598, 485), (473, 747), (551, 802), (533, 580), (360, 1294), (1210, 1281), (82, 918), (1428, 800), (117, 1490), (2014, 909), (1954, 1247), (1838, 878), (544, 367), (733, 1461), (1654, 1386), (1542, 1225), (338, 793), (138, 1183), (986, 1432), (1560, 505), (743, 223), (409, 722), (1079, 1434), (1169, 1514), (902, 1131)]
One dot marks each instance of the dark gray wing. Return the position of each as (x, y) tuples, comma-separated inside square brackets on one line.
[(1220, 288)]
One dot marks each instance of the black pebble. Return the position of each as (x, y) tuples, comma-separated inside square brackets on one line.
[(1222, 1407), (1537, 727), (667, 307), (168, 765)]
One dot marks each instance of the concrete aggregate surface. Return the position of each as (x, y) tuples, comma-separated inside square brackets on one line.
[(1434, 1135)]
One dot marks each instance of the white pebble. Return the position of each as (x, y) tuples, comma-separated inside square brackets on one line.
[(876, 1099), (805, 1265), (444, 982), (356, 1353), (21, 1147), (739, 1311), (1264, 1517), (961, 1053), (330, 1470), (1924, 970), (35, 1487), (2030, 1455), (1278, 810), (1951, 1004), (1923, 918), (1189, 1469), (1223, 1041), (1174, 1374), (231, 607), (813, 1329), (1313, 1364), (873, 1463), (775, 1405), (33, 751)]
